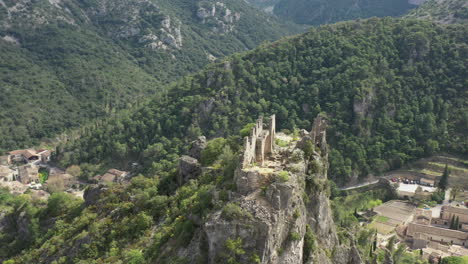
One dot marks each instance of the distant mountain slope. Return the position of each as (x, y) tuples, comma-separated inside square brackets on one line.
[(393, 90), (443, 11), (80, 59), (317, 12)]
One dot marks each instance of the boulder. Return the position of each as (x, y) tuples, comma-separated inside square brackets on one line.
[(189, 168), (197, 147)]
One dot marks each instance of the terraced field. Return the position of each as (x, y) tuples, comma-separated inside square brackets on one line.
[(433, 167)]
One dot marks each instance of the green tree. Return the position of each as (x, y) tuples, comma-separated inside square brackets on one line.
[(134, 256), (234, 249), (443, 183)]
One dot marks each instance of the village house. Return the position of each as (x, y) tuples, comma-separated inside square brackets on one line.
[(6, 174), (112, 175), (434, 236), (448, 212), (5, 160), (30, 156)]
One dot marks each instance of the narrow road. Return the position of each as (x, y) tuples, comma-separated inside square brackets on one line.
[(359, 185)]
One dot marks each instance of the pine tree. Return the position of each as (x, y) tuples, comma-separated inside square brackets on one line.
[(456, 224), (452, 222), (443, 183), (375, 243)]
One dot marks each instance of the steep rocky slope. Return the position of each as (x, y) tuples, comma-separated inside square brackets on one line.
[(286, 215), (88, 58)]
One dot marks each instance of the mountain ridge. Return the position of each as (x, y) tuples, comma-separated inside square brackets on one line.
[(110, 53)]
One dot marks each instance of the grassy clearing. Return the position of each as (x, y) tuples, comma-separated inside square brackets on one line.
[(451, 167), (428, 172), (465, 162), (381, 228), (381, 219), (282, 143)]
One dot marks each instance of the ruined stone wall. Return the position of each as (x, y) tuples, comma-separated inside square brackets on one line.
[(259, 143), (270, 139), (319, 133)]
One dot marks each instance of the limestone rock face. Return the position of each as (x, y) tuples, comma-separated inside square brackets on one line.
[(189, 168), (197, 147), (273, 208), (218, 15)]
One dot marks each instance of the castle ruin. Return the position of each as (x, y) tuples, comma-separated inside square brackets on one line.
[(260, 143)]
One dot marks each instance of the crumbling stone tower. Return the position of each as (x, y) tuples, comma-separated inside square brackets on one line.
[(260, 143)]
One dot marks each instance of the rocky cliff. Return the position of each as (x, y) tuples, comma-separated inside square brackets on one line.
[(280, 212)]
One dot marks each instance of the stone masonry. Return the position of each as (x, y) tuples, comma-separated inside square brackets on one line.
[(260, 143)]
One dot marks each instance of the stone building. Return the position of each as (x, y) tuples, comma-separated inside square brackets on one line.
[(448, 212), (28, 173), (425, 230), (437, 234), (112, 175), (422, 216), (260, 143)]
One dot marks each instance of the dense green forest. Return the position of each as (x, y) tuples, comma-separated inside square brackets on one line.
[(318, 12), (63, 64), (393, 90), (447, 11)]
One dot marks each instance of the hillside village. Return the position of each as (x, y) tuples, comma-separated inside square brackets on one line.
[(31, 169), (437, 229)]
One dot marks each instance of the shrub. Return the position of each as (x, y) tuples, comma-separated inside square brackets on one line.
[(234, 248), (282, 143), (308, 149), (134, 256), (233, 211), (255, 259), (213, 149), (245, 132), (296, 214), (309, 242), (297, 155), (294, 236), (283, 176)]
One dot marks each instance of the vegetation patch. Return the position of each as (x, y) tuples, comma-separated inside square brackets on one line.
[(382, 219), (283, 176), (43, 176), (232, 211)]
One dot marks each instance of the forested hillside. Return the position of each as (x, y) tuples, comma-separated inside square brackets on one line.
[(443, 11), (318, 12), (63, 63), (392, 90)]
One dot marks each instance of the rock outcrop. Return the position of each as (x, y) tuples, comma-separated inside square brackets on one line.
[(189, 168), (218, 15), (280, 212), (197, 147)]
